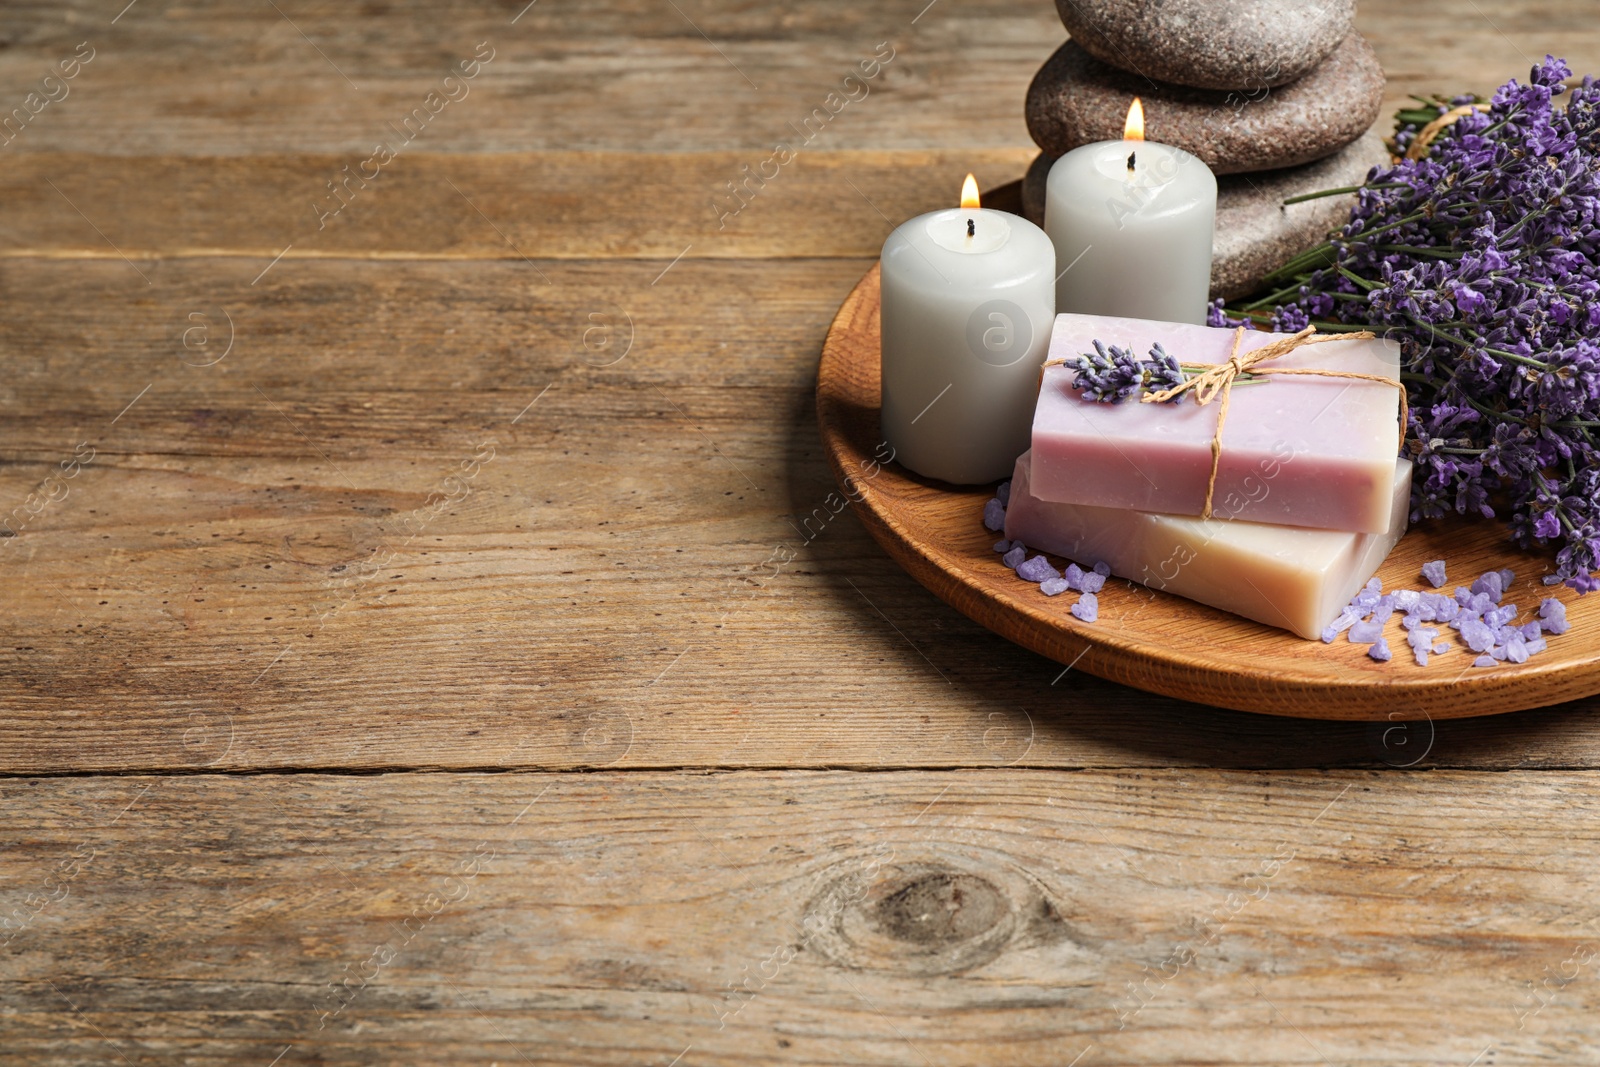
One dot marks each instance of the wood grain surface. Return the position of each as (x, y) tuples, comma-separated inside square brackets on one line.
[(331, 543)]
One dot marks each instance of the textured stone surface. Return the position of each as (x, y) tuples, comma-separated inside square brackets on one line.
[(1211, 44), (1076, 99), (1255, 232)]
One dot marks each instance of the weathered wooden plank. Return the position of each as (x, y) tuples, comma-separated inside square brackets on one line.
[(699, 76), (997, 917), (278, 560), (545, 205)]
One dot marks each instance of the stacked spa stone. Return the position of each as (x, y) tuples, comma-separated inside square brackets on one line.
[(1276, 96)]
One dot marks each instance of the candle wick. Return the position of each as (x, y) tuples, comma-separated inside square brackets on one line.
[(1131, 157), (972, 228)]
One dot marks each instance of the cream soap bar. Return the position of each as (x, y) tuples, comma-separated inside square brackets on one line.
[(1295, 579), (1330, 442)]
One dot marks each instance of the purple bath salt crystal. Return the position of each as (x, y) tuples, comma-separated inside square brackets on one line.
[(1478, 636), (1536, 646), (1463, 595), (1016, 555), (1103, 569), (1507, 576), (1365, 633), (1480, 603), (1445, 608), (1421, 637), (1516, 650), (1498, 617), (1490, 583), (1037, 569), (1421, 652), (1484, 661), (1410, 622), (1074, 577), (1407, 599), (1442, 647), (1003, 494), (1553, 615), (1498, 652), (1052, 586), (1002, 545), (1347, 618), (1087, 608), (1380, 651), (1529, 631), (1093, 582), (994, 515), (1434, 572)]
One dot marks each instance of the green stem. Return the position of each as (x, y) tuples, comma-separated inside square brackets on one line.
[(1342, 190)]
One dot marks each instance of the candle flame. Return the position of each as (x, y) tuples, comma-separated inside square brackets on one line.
[(969, 192), (1134, 130)]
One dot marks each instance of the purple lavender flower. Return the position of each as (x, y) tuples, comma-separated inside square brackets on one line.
[(1483, 259), (1110, 374)]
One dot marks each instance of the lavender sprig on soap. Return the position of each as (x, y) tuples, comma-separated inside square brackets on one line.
[(1111, 374)]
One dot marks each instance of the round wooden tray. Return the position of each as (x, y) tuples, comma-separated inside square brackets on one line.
[(1164, 643)]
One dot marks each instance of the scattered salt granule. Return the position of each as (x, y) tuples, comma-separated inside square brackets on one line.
[(1484, 661), (1074, 577), (1093, 582), (1052, 586), (1434, 572), (1003, 494), (1103, 569), (1492, 583), (1016, 555), (1365, 633), (1478, 636), (1380, 651), (1087, 608), (994, 515), (1002, 546), (1347, 618), (1037, 569), (1507, 576), (1553, 615)]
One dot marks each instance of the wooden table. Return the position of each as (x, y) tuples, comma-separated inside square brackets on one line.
[(429, 638)]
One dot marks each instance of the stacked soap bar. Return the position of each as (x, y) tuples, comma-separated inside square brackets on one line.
[(1293, 578), (1309, 497), (1297, 450)]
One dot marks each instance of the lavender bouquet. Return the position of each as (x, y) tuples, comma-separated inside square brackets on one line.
[(1482, 258)]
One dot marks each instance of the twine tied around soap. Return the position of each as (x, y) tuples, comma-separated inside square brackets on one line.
[(1217, 382)]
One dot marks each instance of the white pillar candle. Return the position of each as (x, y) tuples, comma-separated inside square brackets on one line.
[(1131, 221), (968, 304)]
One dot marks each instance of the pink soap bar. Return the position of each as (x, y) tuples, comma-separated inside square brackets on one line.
[(1295, 579), (1297, 450)]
